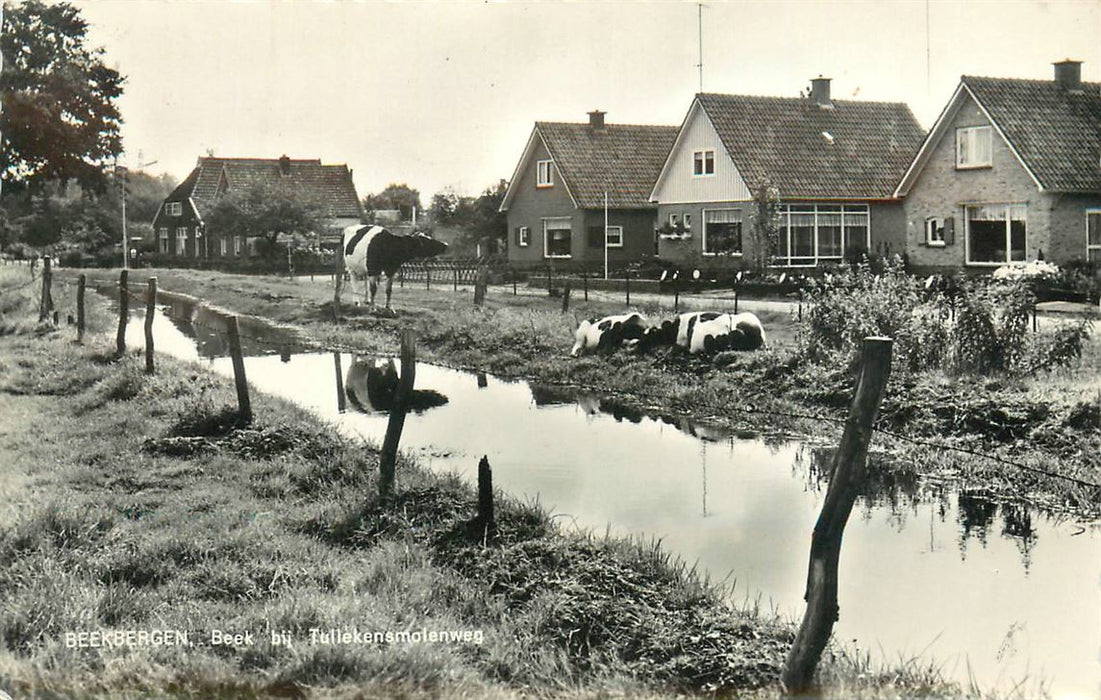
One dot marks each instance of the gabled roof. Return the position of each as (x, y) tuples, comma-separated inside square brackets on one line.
[(620, 159), (1055, 133), (329, 187), (852, 150)]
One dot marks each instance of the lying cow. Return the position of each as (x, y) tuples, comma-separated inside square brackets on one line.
[(705, 331), (371, 251), (608, 333)]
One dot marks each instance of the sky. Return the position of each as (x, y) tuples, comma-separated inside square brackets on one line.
[(444, 95)]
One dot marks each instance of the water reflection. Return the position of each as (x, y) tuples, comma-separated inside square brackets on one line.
[(372, 384)]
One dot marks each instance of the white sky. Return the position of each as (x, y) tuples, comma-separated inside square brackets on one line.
[(445, 94)]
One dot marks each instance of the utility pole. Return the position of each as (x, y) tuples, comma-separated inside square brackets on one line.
[(699, 37), (120, 175)]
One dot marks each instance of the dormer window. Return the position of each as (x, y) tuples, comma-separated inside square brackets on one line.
[(703, 162), (973, 147), (544, 176), (173, 209)]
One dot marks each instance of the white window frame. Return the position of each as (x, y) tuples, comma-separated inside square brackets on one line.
[(544, 173), (524, 237), (1008, 206), (934, 232), (703, 162), (703, 239), (173, 209), (673, 219), (1096, 248), (558, 220), (614, 236), (223, 246), (163, 236), (686, 218), (974, 147), (237, 245), (181, 240), (847, 209)]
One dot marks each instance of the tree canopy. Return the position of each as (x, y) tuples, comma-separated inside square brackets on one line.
[(477, 218), (60, 120), (265, 213), (396, 196)]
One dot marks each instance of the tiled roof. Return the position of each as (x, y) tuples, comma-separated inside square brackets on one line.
[(621, 159), (329, 187), (1056, 132), (854, 150)]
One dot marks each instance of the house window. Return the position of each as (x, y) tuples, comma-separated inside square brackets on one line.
[(597, 236), (722, 232), (703, 162), (1093, 235), (236, 245), (687, 219), (223, 246), (673, 219), (163, 237), (181, 240), (973, 147), (935, 232), (523, 236), (813, 233), (173, 208), (557, 237), (544, 173), (996, 233)]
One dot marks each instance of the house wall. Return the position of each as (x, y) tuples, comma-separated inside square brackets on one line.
[(679, 184), (638, 236), (531, 204), (187, 219), (1067, 221), (942, 191)]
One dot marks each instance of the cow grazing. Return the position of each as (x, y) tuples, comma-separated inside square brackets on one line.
[(608, 333), (371, 251), (705, 331)]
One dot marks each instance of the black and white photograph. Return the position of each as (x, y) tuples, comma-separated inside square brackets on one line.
[(543, 349)]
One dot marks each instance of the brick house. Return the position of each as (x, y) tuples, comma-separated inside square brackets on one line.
[(835, 164), (180, 226), (1010, 172), (555, 202)]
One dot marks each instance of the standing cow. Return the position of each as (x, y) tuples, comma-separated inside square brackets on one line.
[(371, 251)]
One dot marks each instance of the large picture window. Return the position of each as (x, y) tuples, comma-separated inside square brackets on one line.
[(973, 147), (722, 232), (557, 237), (996, 234), (814, 233), (1093, 235)]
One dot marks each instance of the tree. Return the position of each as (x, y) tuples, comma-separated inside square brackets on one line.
[(479, 220), (764, 227), (263, 212), (395, 196), (59, 119)]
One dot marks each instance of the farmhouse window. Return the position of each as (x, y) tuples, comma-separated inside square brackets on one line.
[(236, 245), (722, 232), (181, 240), (557, 237), (703, 162), (173, 208), (1093, 235), (163, 237), (973, 147), (934, 232), (544, 173), (223, 246), (673, 220), (813, 233), (996, 233), (596, 236), (687, 219), (523, 236)]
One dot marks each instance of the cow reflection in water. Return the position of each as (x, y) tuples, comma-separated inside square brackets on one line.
[(372, 383)]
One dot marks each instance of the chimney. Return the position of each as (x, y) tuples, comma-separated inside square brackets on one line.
[(1068, 74), (285, 165), (596, 120), (820, 92)]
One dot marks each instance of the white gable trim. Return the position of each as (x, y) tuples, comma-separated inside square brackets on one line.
[(675, 185), (525, 159), (676, 147), (937, 133)]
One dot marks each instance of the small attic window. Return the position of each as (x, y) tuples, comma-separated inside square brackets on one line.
[(828, 136)]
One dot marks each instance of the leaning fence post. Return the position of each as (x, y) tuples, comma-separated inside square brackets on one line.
[(338, 284), (846, 479), (486, 520), (394, 425), (81, 283), (47, 303), (341, 402), (150, 309), (124, 313), (243, 403)]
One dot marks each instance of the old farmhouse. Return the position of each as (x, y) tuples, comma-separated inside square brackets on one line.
[(568, 177), (180, 224), (834, 163), (1010, 172)]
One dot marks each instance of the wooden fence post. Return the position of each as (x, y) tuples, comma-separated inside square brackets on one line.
[(486, 519), (150, 309), (341, 401), (846, 479), (46, 305), (427, 277), (566, 297), (455, 273), (585, 283), (81, 283), (628, 277), (389, 455), (338, 284), (124, 313), (244, 405), (481, 281)]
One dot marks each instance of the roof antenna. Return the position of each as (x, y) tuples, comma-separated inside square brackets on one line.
[(699, 42)]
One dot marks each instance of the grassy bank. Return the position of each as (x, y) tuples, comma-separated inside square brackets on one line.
[(132, 503), (1049, 422)]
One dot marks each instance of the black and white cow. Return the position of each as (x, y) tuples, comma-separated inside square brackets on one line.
[(371, 251), (608, 333), (705, 331)]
